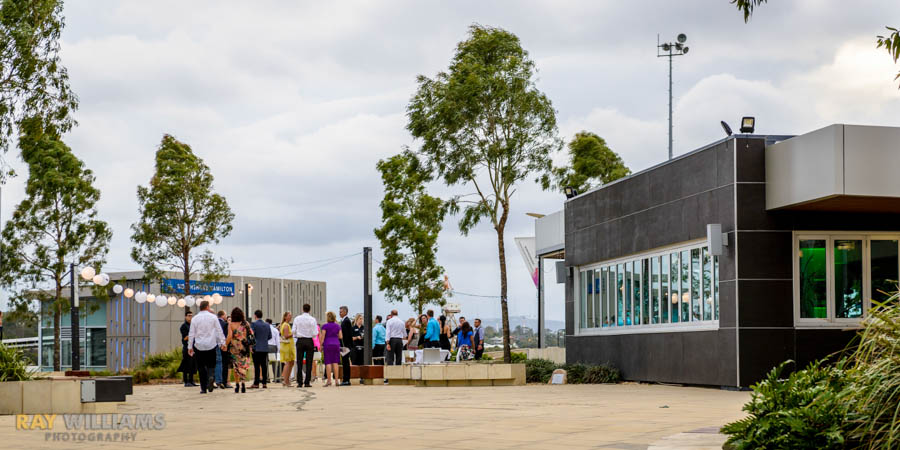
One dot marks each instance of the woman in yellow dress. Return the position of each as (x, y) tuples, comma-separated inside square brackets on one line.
[(286, 350)]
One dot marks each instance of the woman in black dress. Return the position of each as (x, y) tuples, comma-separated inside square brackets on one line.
[(445, 334), (356, 353)]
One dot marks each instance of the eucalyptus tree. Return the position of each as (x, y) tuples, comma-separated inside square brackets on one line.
[(55, 226), (181, 217), (410, 223), (591, 163), (484, 124)]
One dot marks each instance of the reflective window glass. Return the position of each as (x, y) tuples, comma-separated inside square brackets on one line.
[(696, 275), (597, 295), (589, 299), (620, 293), (707, 285), (645, 293), (664, 289), (685, 286), (716, 285), (848, 278), (675, 288), (604, 296), (636, 292), (884, 269), (628, 296), (813, 282)]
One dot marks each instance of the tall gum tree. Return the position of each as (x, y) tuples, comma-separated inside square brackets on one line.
[(484, 124), (181, 216), (56, 225)]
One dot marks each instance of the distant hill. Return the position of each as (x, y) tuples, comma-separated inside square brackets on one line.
[(515, 321)]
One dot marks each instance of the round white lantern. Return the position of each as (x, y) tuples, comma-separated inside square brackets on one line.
[(208, 299), (117, 289), (217, 298), (140, 297), (101, 279), (129, 293), (172, 300), (151, 298), (88, 273), (181, 302), (163, 297), (189, 301), (161, 301)]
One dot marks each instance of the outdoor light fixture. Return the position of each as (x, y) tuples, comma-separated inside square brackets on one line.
[(570, 192), (748, 124), (670, 49), (172, 300), (117, 289), (88, 273), (726, 128), (129, 293)]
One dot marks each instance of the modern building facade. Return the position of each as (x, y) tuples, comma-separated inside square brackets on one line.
[(810, 226), (120, 333)]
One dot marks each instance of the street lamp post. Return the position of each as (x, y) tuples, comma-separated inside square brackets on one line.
[(670, 49)]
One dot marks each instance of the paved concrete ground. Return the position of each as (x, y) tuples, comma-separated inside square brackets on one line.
[(624, 416)]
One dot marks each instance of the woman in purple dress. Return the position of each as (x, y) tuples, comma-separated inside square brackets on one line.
[(330, 337)]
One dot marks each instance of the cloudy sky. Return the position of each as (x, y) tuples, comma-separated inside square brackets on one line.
[(292, 103)]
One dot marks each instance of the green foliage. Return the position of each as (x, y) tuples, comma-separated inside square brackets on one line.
[(34, 82), (101, 373), (164, 359), (485, 118), (804, 411), (601, 374), (13, 365), (159, 366), (539, 370), (180, 216), (874, 393), (411, 220), (575, 372), (747, 6), (591, 163), (54, 226), (518, 357)]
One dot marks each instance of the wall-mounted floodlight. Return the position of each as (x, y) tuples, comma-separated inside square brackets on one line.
[(716, 241), (726, 128), (748, 124), (570, 192)]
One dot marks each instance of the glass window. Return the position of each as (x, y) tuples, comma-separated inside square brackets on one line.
[(675, 287), (685, 286), (582, 303), (620, 293), (848, 278), (884, 259), (636, 292), (645, 293), (597, 316), (716, 285), (612, 296), (696, 275), (707, 285), (97, 343), (604, 297), (628, 297), (664, 289), (813, 282), (589, 300)]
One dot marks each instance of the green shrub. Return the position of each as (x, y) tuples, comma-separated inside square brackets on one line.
[(601, 374), (874, 392), (804, 411), (13, 365), (517, 357), (140, 376), (485, 357), (539, 370), (101, 373), (575, 372), (164, 359)]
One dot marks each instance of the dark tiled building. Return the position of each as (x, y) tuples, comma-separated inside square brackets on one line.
[(811, 227)]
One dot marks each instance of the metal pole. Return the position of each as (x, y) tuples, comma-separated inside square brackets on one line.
[(540, 321), (247, 301), (76, 339), (670, 102), (367, 305)]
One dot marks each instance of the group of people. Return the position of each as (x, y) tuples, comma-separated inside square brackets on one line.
[(213, 344)]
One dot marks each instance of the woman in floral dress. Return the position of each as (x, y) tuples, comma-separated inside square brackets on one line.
[(237, 341)]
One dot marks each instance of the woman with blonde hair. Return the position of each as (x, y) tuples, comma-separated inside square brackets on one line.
[(330, 337), (286, 351)]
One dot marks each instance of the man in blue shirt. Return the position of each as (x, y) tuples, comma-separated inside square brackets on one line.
[(433, 331), (378, 334)]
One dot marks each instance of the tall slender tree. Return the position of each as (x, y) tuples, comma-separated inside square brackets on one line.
[(181, 216), (484, 124), (54, 226), (33, 82), (591, 163), (410, 223)]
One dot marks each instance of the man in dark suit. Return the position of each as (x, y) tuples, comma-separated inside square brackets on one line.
[(347, 333), (262, 332), (187, 367)]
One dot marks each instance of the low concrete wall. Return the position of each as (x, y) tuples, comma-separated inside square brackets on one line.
[(555, 354), (48, 396), (456, 374)]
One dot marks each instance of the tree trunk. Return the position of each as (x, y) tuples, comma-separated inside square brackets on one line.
[(187, 287), (504, 309), (57, 315)]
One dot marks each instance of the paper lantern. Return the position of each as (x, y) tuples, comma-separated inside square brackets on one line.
[(151, 298), (101, 279), (129, 293), (181, 302), (189, 301), (163, 297), (160, 301), (172, 300), (217, 298), (88, 273), (140, 297), (208, 299), (117, 289)]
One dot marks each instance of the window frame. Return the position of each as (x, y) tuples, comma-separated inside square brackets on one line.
[(830, 321), (640, 327)]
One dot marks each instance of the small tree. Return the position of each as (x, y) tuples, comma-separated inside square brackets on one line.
[(484, 118), (33, 82), (591, 163), (53, 227), (180, 216), (411, 220), (891, 42)]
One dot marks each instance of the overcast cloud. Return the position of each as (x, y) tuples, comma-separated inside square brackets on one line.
[(291, 104)]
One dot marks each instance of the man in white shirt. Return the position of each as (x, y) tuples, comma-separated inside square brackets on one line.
[(395, 332), (204, 335), (304, 330)]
